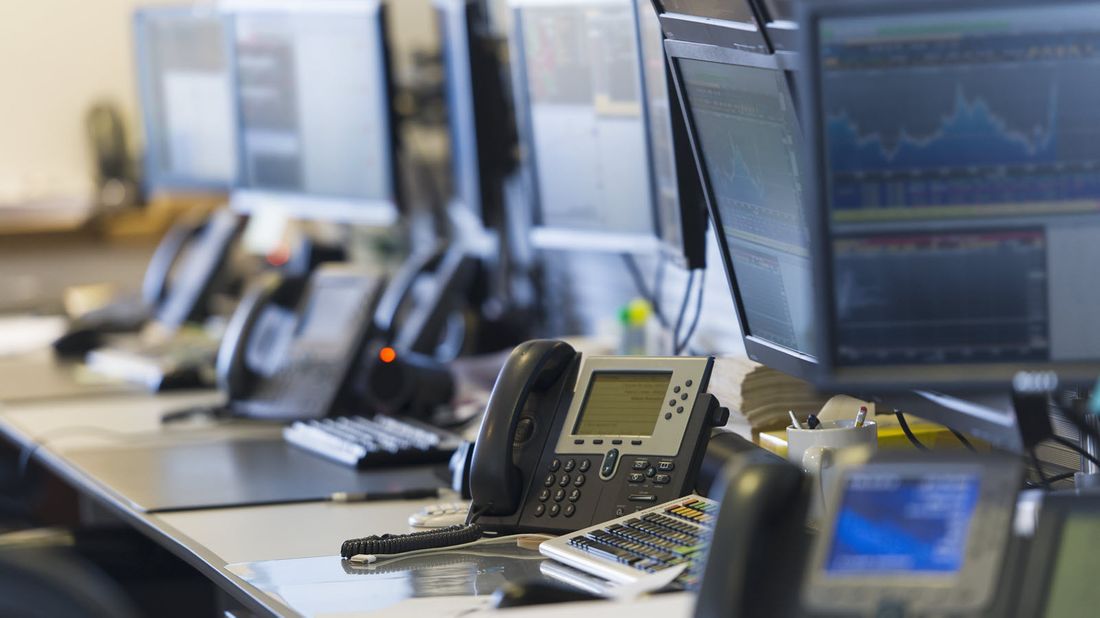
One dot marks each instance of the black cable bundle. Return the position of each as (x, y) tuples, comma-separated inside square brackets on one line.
[(414, 541)]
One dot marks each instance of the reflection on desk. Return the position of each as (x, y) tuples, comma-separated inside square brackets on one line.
[(315, 586)]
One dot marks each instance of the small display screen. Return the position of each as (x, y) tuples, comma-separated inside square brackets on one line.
[(890, 522), (329, 316), (1073, 583), (622, 404)]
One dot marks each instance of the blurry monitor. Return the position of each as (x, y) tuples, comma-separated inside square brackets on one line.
[(677, 194), (955, 162), (482, 141), (732, 24), (578, 89), (313, 96), (747, 140), (186, 99)]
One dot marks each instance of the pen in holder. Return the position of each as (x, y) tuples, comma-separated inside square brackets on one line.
[(817, 452)]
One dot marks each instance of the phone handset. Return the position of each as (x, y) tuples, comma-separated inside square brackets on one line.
[(496, 483), (154, 286), (236, 375)]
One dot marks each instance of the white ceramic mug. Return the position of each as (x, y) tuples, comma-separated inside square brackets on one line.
[(816, 451)]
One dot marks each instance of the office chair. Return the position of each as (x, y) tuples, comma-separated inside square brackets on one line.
[(53, 583)]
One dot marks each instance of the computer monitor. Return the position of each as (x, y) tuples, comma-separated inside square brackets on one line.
[(730, 24), (677, 194), (579, 104), (186, 99), (954, 165), (314, 101), (747, 141), (482, 140)]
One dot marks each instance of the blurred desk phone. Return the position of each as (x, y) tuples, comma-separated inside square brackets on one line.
[(567, 442)]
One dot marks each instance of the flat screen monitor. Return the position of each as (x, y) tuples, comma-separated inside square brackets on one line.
[(677, 195), (954, 172), (579, 95), (748, 144), (186, 99), (314, 103), (482, 142)]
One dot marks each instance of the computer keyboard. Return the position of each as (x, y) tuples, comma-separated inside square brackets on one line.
[(624, 549), (362, 442)]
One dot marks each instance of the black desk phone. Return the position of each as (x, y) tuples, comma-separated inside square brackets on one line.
[(300, 348), (566, 443), (293, 342)]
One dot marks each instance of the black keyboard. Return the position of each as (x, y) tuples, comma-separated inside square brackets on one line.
[(362, 442), (624, 549)]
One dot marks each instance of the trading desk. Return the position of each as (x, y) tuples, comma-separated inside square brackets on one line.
[(276, 559)]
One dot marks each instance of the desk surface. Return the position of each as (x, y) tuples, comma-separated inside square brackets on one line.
[(257, 554)]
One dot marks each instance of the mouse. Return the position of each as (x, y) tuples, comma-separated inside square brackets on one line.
[(537, 592)]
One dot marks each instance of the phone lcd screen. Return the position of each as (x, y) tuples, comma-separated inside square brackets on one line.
[(622, 404), (890, 522)]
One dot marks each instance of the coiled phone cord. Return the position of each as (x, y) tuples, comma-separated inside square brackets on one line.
[(415, 541)]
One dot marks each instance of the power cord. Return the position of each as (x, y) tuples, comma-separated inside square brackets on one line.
[(682, 343), (683, 307), (909, 432), (652, 297)]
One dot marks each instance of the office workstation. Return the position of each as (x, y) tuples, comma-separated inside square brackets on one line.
[(561, 307)]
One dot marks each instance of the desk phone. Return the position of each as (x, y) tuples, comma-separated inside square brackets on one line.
[(293, 343), (568, 442), (916, 537)]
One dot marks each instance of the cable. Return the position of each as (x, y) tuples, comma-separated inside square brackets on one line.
[(653, 298), (962, 439), (695, 320), (378, 560), (392, 544), (1039, 469), (909, 432), (1077, 448), (683, 307)]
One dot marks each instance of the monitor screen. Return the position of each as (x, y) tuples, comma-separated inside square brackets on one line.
[(186, 99), (622, 404), (1071, 587), (958, 169), (584, 119), (749, 143), (314, 105), (892, 523)]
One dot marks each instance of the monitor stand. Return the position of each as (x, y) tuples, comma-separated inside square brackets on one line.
[(986, 415)]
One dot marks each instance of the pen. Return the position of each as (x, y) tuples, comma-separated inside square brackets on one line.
[(861, 416), (794, 420), (813, 421), (377, 496)]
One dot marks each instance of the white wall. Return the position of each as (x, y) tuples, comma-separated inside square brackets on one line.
[(57, 57)]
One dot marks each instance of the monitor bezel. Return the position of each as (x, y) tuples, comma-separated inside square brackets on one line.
[(832, 375), (245, 200), (786, 360), (155, 177), (550, 237), (719, 32)]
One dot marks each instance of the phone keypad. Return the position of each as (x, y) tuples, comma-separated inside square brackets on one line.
[(563, 499)]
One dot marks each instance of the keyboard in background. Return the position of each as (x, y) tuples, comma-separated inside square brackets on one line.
[(361, 442), (624, 549)]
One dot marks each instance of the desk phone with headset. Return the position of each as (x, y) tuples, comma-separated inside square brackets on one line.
[(305, 348)]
